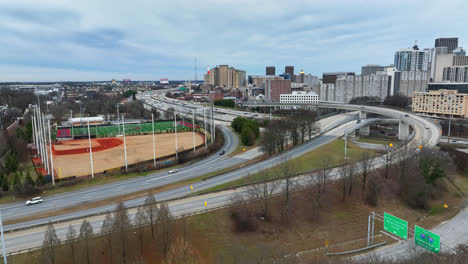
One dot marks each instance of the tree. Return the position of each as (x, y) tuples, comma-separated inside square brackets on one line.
[(399, 101), (121, 224), (165, 225), (247, 136), (288, 172), (365, 165), (71, 235), (430, 163), (11, 163), (86, 231), (106, 229), (5, 184), (181, 252), (263, 192), (152, 211), (140, 220), (49, 243)]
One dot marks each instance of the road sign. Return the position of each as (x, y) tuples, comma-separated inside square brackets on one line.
[(326, 243), (396, 226), (191, 187), (426, 239)]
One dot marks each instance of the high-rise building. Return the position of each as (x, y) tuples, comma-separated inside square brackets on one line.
[(408, 82), (371, 69), (330, 77), (290, 71), (460, 60), (270, 70), (442, 61), (459, 51), (274, 88), (411, 59), (435, 52), (225, 76), (450, 43), (455, 74)]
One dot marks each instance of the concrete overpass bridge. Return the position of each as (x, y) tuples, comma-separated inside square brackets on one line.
[(425, 132)]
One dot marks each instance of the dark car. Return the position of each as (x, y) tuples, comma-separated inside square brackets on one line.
[(406, 115), (222, 152)]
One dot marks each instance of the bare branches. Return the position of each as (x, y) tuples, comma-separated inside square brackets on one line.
[(49, 243)]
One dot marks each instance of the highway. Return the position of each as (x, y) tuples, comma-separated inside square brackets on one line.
[(24, 239)]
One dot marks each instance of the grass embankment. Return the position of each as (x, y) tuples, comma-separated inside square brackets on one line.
[(342, 224), (379, 141), (333, 152)]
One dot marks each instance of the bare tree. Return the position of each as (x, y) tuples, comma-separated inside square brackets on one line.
[(288, 172), (49, 243), (71, 235), (181, 252), (346, 179), (165, 222), (263, 192), (86, 231), (120, 224), (325, 172), (140, 220), (106, 230), (365, 165), (152, 211)]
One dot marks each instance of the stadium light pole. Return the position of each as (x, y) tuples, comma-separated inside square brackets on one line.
[(204, 123), (45, 144), (71, 120), (90, 152), (212, 123), (175, 129), (33, 132), (34, 128), (51, 155), (125, 144), (3, 240), (193, 125), (118, 118), (39, 130), (154, 145)]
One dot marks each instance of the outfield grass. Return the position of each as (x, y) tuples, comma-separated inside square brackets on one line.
[(130, 129), (333, 151)]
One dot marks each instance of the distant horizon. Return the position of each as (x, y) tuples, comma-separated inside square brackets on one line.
[(54, 40)]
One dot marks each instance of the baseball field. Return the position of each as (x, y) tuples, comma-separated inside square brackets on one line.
[(71, 158)]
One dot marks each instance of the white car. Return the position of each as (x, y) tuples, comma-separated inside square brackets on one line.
[(34, 200), (172, 171)]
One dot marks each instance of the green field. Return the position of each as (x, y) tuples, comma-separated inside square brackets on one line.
[(130, 129)]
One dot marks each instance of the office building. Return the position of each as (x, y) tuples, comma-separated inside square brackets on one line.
[(274, 88), (408, 82), (450, 43), (371, 69), (270, 70), (455, 74), (327, 92), (290, 70), (299, 97), (260, 80), (310, 80), (435, 52), (460, 87), (225, 76), (411, 59), (459, 51), (441, 102), (460, 60), (351, 86), (442, 61), (330, 77)]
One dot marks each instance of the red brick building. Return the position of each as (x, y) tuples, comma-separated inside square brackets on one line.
[(273, 89)]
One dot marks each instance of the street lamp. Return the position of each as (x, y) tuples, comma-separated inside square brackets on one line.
[(387, 158)]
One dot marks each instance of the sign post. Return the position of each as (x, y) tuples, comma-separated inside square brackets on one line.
[(396, 226), (426, 239)]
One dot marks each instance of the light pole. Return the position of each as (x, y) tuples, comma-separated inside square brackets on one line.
[(125, 144), (193, 127), (51, 155), (204, 123), (450, 117), (387, 159), (3, 240), (71, 120), (154, 145), (118, 117), (90, 152), (175, 129)]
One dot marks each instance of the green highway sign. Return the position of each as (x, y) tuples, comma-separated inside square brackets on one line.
[(396, 226), (426, 239)]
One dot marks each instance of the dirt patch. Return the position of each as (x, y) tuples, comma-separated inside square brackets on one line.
[(82, 146)]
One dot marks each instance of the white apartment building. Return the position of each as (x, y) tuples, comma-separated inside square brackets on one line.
[(299, 97)]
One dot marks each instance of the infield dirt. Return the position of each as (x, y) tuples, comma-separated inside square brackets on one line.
[(109, 154)]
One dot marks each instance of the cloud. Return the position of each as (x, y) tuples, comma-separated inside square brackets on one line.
[(87, 39)]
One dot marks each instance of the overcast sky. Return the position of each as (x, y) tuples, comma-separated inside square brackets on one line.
[(47, 40)]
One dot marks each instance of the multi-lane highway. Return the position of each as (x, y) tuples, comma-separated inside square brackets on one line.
[(19, 239)]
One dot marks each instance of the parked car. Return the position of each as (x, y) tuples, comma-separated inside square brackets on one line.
[(35, 200), (172, 171)]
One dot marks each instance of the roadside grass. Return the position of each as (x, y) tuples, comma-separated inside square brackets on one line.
[(333, 151), (375, 140)]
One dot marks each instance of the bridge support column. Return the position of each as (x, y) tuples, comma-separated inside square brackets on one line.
[(362, 115), (403, 130), (364, 131), (352, 133)]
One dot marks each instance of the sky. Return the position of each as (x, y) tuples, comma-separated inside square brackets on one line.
[(91, 40)]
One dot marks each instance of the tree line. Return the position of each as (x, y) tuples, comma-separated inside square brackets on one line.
[(293, 129), (248, 129), (122, 239), (225, 103)]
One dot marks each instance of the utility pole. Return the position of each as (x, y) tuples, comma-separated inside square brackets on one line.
[(5, 261), (125, 144), (90, 152), (51, 155), (154, 145)]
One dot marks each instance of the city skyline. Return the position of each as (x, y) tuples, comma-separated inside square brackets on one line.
[(60, 41)]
